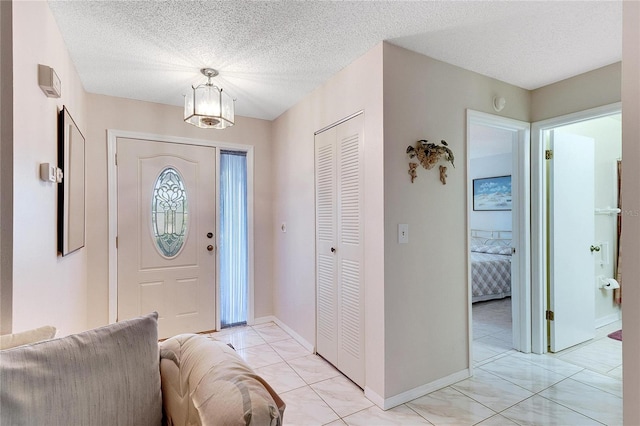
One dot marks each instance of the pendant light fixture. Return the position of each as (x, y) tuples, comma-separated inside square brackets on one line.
[(207, 106)]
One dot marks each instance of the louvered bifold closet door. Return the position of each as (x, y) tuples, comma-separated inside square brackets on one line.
[(326, 229), (339, 247), (350, 249)]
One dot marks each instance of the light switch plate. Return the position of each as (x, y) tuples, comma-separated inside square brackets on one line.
[(403, 233)]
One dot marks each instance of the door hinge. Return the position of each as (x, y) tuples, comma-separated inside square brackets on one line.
[(549, 315), (116, 242), (548, 154)]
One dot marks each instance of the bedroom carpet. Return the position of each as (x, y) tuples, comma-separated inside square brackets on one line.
[(617, 335)]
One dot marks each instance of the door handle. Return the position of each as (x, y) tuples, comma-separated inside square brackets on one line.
[(594, 248), (210, 247), (333, 249)]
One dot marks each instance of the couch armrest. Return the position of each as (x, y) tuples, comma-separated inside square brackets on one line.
[(205, 382)]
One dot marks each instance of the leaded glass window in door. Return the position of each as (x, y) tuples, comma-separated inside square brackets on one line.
[(169, 212)]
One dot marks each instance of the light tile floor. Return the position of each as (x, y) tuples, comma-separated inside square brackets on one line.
[(579, 386)]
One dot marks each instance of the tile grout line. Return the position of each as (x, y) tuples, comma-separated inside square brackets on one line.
[(571, 409)]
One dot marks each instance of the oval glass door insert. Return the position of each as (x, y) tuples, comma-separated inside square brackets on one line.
[(169, 212)]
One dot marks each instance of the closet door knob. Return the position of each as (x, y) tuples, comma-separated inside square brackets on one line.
[(333, 249), (210, 247)]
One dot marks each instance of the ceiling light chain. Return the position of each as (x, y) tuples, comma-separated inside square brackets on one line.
[(207, 106)]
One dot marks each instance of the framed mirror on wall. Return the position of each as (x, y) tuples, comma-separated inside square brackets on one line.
[(71, 191)]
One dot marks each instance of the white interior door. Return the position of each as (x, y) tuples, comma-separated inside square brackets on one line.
[(339, 247), (350, 249), (166, 222), (571, 234), (326, 260)]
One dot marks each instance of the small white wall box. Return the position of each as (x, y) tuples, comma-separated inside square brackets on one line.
[(48, 172), (49, 81)]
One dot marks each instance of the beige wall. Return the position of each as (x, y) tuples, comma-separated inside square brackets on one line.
[(426, 288), (585, 91), (6, 167), (55, 290), (631, 206), (357, 87), (47, 288), (105, 112)]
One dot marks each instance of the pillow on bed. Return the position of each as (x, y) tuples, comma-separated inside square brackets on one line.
[(476, 246), (492, 249)]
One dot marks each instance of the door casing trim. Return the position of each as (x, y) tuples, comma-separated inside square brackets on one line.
[(112, 198), (538, 216), (520, 294)]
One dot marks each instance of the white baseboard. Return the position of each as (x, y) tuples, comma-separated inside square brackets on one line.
[(381, 402), (374, 397), (270, 318), (601, 322), (263, 320), (414, 393)]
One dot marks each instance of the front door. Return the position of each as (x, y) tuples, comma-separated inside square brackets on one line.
[(166, 242)]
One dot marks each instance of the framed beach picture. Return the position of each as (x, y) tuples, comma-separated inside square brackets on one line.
[(493, 193)]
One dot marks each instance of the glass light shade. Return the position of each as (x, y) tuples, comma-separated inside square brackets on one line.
[(209, 107)]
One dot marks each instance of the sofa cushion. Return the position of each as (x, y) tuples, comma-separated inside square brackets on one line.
[(106, 376), (205, 382), (8, 341)]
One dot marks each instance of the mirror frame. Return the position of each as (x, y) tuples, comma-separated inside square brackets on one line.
[(71, 191)]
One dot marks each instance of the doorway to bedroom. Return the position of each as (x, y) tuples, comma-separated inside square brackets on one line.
[(498, 224)]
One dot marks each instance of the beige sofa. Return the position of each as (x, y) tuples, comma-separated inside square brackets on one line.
[(120, 375)]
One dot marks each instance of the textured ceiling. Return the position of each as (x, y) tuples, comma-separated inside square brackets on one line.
[(271, 54)]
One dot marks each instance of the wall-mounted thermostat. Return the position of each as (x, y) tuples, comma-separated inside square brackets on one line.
[(49, 81)]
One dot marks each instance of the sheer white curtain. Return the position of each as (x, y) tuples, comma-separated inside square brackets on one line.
[(233, 238)]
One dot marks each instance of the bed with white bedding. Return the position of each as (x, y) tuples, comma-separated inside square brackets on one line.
[(490, 264)]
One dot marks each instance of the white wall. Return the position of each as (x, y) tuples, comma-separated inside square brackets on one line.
[(106, 112), (631, 206), (426, 301), (483, 167), (355, 88), (607, 134), (47, 288)]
